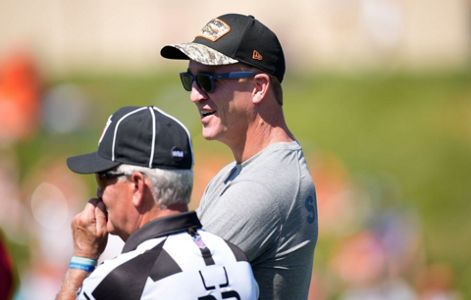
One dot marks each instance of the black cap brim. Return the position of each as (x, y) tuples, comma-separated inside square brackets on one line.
[(90, 163), (172, 52), (198, 52)]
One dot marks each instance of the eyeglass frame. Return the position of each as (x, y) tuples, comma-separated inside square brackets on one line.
[(108, 175), (211, 78)]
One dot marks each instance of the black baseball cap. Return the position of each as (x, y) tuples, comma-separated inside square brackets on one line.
[(230, 39), (138, 135)]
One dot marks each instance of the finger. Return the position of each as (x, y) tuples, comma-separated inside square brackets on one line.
[(101, 218), (89, 209), (87, 215), (94, 201), (101, 205), (88, 212)]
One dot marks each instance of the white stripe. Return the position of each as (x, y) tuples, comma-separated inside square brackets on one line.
[(184, 127), (116, 128), (151, 158), (190, 261), (108, 123)]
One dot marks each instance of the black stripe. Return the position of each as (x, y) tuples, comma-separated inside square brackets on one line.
[(230, 294), (208, 258), (205, 252), (127, 281), (164, 266), (238, 253), (86, 296)]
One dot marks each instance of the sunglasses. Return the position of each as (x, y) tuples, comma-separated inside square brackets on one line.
[(109, 175), (206, 81)]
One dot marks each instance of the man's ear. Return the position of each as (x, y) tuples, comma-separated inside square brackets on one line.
[(138, 181), (262, 84)]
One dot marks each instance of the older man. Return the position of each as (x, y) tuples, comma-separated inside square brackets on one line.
[(143, 169), (265, 200)]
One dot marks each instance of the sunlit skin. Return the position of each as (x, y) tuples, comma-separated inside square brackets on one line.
[(122, 206), (240, 113), (226, 112), (122, 215), (129, 204)]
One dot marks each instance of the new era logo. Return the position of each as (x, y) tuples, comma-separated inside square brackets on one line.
[(256, 55)]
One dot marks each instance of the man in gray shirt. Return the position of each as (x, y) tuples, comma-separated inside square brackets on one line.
[(265, 200)]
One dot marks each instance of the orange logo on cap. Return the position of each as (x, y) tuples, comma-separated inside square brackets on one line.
[(256, 55)]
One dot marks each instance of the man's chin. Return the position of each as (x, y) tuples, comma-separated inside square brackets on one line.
[(209, 136), (110, 228)]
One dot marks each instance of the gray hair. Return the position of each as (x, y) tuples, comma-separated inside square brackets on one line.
[(168, 186)]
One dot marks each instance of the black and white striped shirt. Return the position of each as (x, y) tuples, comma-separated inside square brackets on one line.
[(172, 258)]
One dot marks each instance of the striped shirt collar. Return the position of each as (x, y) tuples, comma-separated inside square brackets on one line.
[(162, 227)]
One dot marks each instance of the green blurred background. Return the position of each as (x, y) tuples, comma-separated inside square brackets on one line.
[(388, 145), (412, 129)]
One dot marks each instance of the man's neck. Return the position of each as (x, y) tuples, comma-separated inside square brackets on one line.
[(258, 138), (161, 212)]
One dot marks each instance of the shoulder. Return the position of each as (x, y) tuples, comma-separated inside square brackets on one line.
[(113, 276), (223, 248), (282, 167), (280, 159), (222, 174)]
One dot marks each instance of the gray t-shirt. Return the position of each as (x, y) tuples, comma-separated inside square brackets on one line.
[(267, 207)]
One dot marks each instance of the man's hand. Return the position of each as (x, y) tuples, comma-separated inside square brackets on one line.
[(90, 238), (89, 230)]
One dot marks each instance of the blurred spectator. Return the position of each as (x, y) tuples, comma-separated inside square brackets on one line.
[(395, 225), (393, 289), (399, 234), (7, 272), (361, 263), (359, 260), (375, 258), (11, 206), (436, 282), (318, 289), (64, 108), (19, 97), (339, 211), (54, 196)]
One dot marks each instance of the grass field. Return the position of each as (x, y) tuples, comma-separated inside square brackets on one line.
[(414, 129)]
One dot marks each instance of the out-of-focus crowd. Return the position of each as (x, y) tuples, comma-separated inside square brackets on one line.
[(370, 242), (35, 206)]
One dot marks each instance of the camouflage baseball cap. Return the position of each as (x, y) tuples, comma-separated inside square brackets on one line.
[(230, 39)]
